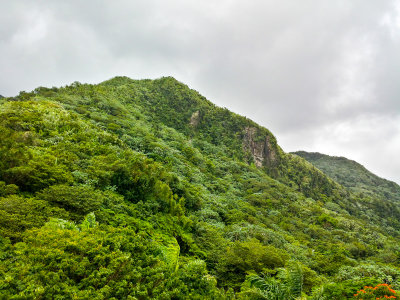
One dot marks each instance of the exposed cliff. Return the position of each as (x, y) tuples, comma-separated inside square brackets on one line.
[(261, 150), (195, 119)]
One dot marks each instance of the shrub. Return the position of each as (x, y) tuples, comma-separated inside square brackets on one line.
[(381, 291)]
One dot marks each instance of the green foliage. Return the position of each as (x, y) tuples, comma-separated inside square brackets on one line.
[(242, 257), (7, 189), (18, 214), (78, 200), (287, 285), (61, 224), (81, 264), (346, 289), (295, 278), (137, 189), (171, 252), (327, 220), (89, 222), (270, 288), (381, 273), (353, 175), (192, 281)]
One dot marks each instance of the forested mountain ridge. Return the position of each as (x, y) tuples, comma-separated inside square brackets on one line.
[(352, 175), (144, 189), (175, 105)]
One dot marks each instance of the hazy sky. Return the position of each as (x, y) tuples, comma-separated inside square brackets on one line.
[(322, 75)]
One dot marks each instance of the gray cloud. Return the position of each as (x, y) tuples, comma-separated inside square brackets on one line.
[(320, 74)]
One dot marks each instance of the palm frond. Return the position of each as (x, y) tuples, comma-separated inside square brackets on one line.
[(295, 279)]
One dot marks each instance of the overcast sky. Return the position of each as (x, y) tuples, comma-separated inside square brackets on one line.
[(322, 75)]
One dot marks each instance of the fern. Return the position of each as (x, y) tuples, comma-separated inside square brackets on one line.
[(270, 288), (258, 282), (89, 221), (295, 279), (318, 294), (171, 254), (55, 223), (288, 285)]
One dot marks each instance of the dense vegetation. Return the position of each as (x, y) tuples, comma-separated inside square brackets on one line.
[(136, 189), (353, 175)]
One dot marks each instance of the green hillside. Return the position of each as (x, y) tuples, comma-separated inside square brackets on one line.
[(137, 189), (353, 175)]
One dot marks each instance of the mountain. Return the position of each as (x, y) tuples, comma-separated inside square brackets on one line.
[(137, 189), (353, 175)]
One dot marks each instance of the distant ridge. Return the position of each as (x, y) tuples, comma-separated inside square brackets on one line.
[(353, 175)]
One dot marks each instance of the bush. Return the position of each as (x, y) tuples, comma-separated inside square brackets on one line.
[(381, 291), (246, 256), (78, 200)]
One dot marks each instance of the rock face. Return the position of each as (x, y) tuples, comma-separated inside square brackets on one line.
[(260, 148), (195, 119)]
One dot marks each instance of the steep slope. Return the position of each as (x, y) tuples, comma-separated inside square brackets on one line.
[(145, 189), (175, 105), (353, 175)]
